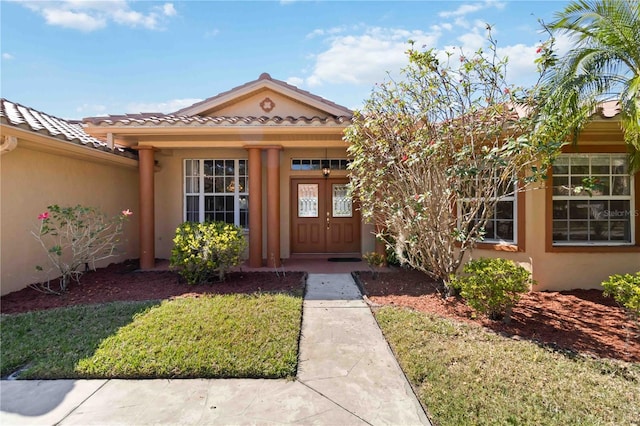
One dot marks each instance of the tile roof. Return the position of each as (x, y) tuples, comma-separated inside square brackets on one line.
[(266, 76), (22, 117), (182, 118), (169, 120)]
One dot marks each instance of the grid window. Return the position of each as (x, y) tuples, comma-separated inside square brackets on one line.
[(501, 227), (217, 190), (310, 164), (592, 200)]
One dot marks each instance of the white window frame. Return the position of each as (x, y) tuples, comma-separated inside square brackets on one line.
[(201, 194), (583, 195)]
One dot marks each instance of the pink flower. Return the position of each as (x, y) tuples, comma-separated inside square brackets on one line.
[(507, 91), (405, 157), (416, 197), (43, 216), (127, 212), (462, 58), (539, 49)]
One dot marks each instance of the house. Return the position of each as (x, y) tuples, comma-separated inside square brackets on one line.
[(270, 157)]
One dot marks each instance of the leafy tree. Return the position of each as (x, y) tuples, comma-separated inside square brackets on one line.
[(433, 152), (603, 64)]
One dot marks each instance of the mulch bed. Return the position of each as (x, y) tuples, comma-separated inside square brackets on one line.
[(580, 320), (119, 282)]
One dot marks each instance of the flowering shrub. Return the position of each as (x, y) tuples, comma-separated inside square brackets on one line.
[(433, 153), (202, 249), (493, 286), (74, 238)]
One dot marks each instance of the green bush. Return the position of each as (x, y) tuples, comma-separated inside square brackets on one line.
[(493, 286), (625, 289), (203, 249)]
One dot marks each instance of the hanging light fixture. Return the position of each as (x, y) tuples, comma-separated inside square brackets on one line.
[(326, 167)]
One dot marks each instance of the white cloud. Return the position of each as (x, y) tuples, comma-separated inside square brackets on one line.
[(295, 81), (164, 107), (466, 9), (323, 32), (135, 19), (462, 10), (365, 58), (74, 20), (87, 15), (169, 10), (7, 56)]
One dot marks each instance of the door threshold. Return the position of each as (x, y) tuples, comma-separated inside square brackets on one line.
[(321, 256)]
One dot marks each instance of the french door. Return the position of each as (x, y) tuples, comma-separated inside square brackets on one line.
[(323, 217)]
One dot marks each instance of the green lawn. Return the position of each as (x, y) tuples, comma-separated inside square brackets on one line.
[(464, 374), (207, 337)]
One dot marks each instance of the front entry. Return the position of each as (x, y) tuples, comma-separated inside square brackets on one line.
[(323, 217)]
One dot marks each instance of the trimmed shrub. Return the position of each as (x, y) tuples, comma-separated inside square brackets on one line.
[(202, 250), (625, 289), (493, 286)]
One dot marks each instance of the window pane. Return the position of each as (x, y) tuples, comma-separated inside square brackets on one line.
[(600, 164), (599, 230), (504, 210), (578, 209), (620, 230), (579, 165), (490, 230), (192, 208), (621, 185), (341, 201), (619, 209), (561, 185), (243, 204), (208, 168), (208, 184), (504, 229), (560, 209), (193, 184), (218, 185), (229, 166), (578, 230), (561, 166), (219, 167), (229, 184), (308, 200), (619, 165), (601, 186), (560, 230)]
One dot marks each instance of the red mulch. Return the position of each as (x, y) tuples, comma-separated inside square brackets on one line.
[(580, 320), (122, 282)]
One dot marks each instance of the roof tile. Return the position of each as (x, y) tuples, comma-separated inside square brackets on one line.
[(20, 116)]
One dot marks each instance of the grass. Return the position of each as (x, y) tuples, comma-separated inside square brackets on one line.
[(464, 374), (206, 337)]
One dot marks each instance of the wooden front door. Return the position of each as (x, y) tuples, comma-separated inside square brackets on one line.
[(323, 217)]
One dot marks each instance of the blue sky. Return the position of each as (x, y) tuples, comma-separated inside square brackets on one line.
[(80, 58)]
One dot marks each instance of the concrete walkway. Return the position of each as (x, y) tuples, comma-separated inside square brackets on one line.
[(347, 375)]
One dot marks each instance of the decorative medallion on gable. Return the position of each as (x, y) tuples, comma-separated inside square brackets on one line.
[(267, 105)]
